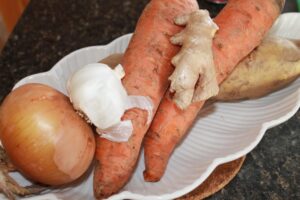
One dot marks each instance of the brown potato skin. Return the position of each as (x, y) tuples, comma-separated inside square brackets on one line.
[(271, 66)]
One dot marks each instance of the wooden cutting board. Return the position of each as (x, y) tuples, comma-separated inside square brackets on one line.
[(220, 177)]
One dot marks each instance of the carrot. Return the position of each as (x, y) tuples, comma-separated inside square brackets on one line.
[(242, 26), (147, 66)]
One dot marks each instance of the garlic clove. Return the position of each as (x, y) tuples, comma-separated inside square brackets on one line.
[(119, 70), (97, 91)]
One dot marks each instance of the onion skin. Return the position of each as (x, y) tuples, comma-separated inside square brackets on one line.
[(44, 137)]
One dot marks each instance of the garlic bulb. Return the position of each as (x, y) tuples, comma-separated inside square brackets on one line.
[(97, 91)]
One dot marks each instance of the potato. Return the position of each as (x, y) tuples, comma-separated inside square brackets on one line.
[(272, 65), (112, 60)]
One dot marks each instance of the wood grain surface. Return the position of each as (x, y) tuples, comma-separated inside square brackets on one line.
[(220, 177)]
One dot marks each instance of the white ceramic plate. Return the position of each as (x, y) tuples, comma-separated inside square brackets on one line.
[(222, 133)]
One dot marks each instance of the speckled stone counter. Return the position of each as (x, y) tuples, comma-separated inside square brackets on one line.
[(48, 30)]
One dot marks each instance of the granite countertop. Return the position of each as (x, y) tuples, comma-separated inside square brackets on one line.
[(48, 30)]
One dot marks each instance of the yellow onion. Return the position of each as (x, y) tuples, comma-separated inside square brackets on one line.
[(43, 136)]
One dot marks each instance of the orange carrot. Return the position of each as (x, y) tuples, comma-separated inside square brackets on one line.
[(242, 26), (147, 66)]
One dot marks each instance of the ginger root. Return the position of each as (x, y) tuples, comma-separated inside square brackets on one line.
[(194, 77)]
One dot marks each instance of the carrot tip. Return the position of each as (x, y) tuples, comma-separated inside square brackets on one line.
[(151, 177)]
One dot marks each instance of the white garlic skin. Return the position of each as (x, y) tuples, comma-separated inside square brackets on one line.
[(97, 91)]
